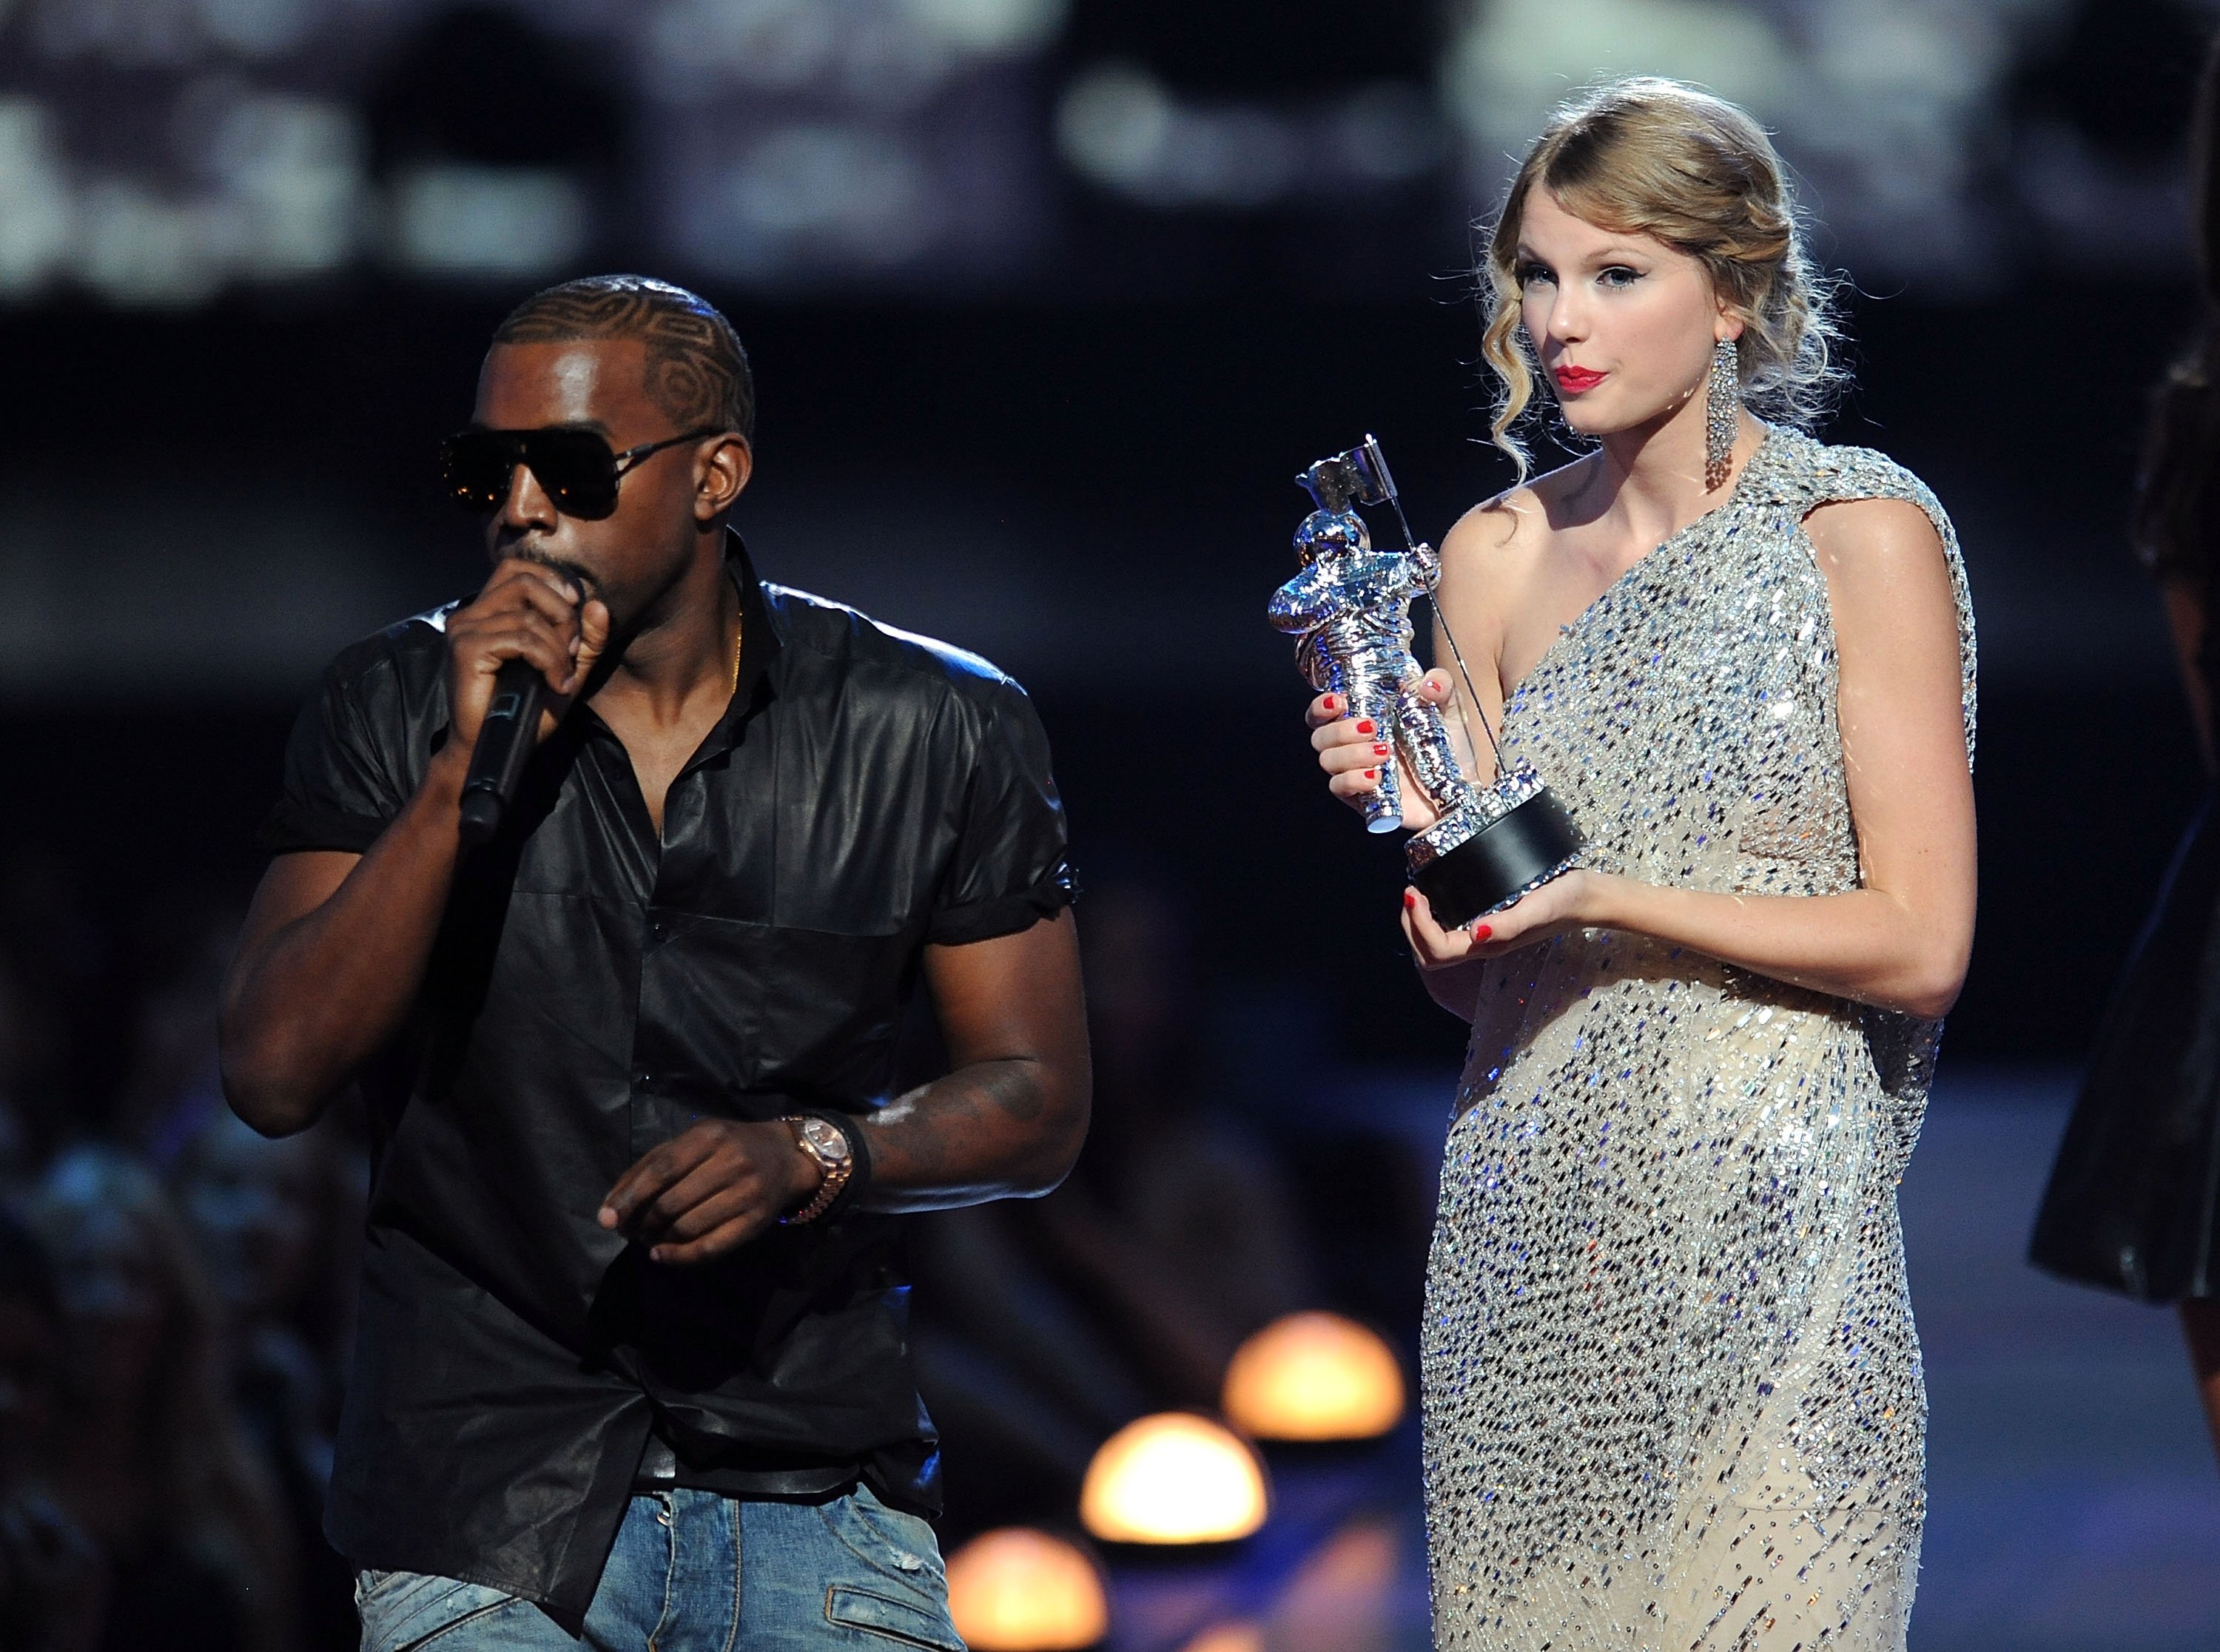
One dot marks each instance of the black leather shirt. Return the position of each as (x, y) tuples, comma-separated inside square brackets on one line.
[(593, 991)]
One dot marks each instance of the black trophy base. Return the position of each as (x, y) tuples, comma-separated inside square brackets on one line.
[(1487, 870)]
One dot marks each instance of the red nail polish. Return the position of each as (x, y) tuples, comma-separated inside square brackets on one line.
[(1330, 703), (1379, 750), (1372, 773), (1482, 932), (1364, 728), (1410, 901)]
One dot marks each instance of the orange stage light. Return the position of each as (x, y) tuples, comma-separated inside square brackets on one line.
[(1173, 1478), (1315, 1376), (1018, 1590), (1228, 1638)]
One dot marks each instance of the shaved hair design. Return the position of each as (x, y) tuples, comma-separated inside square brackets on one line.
[(696, 370)]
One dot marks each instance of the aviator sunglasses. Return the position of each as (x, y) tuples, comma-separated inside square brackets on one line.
[(575, 467)]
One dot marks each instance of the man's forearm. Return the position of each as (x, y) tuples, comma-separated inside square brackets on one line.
[(312, 995), (997, 1129)]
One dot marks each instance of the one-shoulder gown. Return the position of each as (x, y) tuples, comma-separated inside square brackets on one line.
[(1672, 1387)]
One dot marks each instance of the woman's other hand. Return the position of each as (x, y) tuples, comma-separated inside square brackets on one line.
[(1351, 749), (1567, 902)]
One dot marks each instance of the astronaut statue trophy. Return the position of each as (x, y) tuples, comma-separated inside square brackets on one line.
[(1350, 613)]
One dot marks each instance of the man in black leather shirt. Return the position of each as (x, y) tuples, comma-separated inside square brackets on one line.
[(631, 1358)]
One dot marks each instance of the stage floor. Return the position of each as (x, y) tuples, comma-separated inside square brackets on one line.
[(2073, 1497)]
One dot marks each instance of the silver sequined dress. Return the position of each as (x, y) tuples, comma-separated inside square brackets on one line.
[(1673, 1391)]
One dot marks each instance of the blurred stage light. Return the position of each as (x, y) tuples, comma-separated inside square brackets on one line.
[(992, 27), (292, 169), (886, 57), (840, 185), (1315, 1376), (452, 219), (1113, 124), (1173, 1478), (779, 44), (1228, 1638), (137, 247), (1516, 60), (1385, 132), (130, 36), (1019, 1590), (36, 211), (259, 28), (1119, 127)]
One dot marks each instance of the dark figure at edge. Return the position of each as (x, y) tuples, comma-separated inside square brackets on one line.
[(2133, 1200)]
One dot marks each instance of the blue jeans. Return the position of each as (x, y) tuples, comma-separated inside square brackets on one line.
[(694, 1571)]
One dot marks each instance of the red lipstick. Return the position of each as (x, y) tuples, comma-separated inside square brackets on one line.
[(1576, 381)]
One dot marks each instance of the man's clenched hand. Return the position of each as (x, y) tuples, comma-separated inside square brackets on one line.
[(527, 611), (715, 1187)]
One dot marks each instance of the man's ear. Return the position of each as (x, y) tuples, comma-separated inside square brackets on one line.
[(723, 474)]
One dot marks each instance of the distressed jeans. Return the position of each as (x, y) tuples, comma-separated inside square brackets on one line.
[(694, 1571)]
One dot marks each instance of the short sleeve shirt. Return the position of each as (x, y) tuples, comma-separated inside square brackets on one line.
[(595, 989)]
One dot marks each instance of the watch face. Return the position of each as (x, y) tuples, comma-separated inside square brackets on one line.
[(825, 1139)]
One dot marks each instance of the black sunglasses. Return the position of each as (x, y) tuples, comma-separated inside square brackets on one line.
[(575, 467)]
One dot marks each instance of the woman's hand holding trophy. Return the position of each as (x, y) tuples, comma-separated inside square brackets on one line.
[(1477, 848)]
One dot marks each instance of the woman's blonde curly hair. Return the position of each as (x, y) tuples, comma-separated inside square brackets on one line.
[(1653, 157)]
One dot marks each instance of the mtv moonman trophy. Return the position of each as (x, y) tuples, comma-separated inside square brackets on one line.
[(1350, 613)]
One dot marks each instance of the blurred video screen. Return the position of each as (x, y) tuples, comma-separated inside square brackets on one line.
[(161, 153)]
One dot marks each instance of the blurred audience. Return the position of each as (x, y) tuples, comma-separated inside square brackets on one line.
[(277, 1224), (50, 960), (148, 1457), (180, 945), (52, 1589), (175, 1303), (1043, 1326)]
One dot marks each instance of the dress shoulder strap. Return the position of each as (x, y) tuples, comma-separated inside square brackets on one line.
[(1802, 474)]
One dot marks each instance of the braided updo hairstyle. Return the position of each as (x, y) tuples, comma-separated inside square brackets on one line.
[(1652, 157)]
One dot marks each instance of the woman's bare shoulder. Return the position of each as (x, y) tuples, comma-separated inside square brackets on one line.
[(1877, 534), (1502, 535)]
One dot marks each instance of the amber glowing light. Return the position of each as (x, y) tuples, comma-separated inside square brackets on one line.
[(1315, 1376), (1228, 1638), (1019, 1590), (1173, 1478)]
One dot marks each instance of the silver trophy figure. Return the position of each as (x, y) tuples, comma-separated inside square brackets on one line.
[(1350, 613)]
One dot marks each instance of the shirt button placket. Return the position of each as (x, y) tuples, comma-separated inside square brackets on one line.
[(659, 932)]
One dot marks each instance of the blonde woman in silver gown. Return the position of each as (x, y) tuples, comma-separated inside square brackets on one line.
[(1673, 1393)]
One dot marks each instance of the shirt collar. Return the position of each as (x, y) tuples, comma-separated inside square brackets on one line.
[(761, 645), (762, 642)]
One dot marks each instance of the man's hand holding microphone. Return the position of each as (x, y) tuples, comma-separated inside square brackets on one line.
[(516, 656)]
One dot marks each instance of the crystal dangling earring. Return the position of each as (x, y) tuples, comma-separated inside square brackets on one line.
[(1722, 414)]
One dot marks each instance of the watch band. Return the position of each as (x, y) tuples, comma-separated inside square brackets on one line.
[(837, 1172)]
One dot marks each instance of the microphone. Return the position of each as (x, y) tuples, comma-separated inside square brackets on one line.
[(505, 741)]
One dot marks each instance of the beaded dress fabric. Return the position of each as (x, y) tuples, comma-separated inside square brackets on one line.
[(1673, 1391)]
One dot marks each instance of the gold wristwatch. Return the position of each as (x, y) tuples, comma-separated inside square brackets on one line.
[(828, 1146)]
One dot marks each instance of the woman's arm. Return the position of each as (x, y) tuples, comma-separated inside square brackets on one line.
[(1902, 940)]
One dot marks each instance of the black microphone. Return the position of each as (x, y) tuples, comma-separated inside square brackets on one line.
[(505, 741)]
